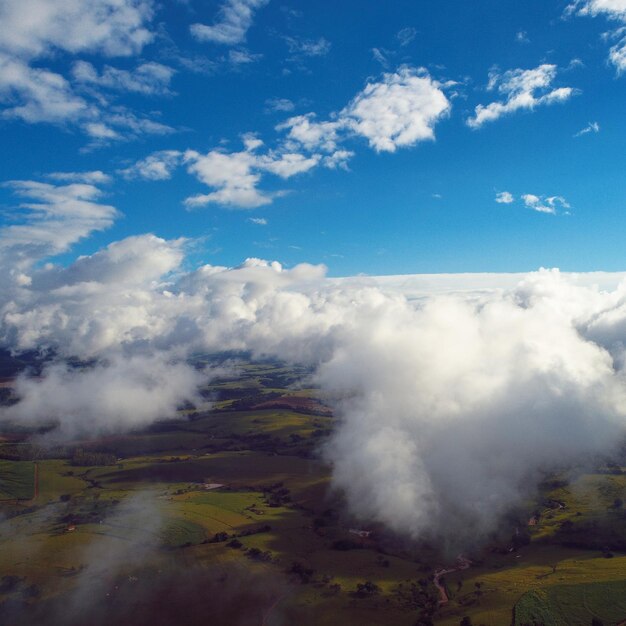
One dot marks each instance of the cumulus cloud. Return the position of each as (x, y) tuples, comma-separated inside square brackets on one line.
[(451, 405), (522, 90), (398, 111), (234, 19), (33, 28), (504, 197), (549, 204), (613, 10), (121, 394), (156, 166), (147, 78), (235, 176)]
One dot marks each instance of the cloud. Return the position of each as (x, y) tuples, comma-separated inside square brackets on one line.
[(451, 405), (522, 89), (306, 131), (308, 47), (522, 37), (380, 57), (235, 176), (550, 204), (34, 28), (592, 127), (95, 177), (234, 19), (38, 95), (121, 394), (399, 111), (147, 78), (156, 166), (613, 10), (52, 218), (279, 105), (260, 221), (504, 197), (406, 35)]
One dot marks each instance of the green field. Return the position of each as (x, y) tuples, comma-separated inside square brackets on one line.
[(236, 501), (17, 480)]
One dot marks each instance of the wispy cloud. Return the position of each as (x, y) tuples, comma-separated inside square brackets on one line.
[(522, 90), (504, 197), (233, 21), (592, 127)]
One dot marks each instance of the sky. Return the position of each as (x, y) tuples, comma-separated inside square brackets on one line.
[(411, 137)]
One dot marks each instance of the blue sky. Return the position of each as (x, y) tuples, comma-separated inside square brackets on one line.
[(346, 134)]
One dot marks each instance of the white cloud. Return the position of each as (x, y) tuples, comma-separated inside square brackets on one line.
[(338, 159), (156, 166), (260, 221), (34, 28), (444, 400), (279, 105), (504, 197), (95, 177), (233, 21), (592, 127), (406, 35), (522, 37), (242, 57), (308, 47), (380, 57), (53, 218), (306, 131), (614, 10), (522, 89), (38, 95), (398, 111), (550, 204), (147, 78)]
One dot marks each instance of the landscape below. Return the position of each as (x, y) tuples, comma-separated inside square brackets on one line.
[(227, 515)]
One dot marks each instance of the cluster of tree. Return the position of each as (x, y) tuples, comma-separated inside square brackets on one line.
[(305, 574), (366, 589)]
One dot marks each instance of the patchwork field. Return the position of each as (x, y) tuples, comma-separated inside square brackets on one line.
[(235, 502)]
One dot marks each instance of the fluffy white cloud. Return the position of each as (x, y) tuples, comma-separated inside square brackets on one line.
[(33, 28), (148, 78), (504, 197), (613, 10), (522, 89), (156, 166), (543, 204), (398, 111), (306, 131), (38, 95), (446, 400), (234, 19), (235, 176)]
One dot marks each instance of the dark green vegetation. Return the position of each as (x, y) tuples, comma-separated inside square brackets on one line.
[(17, 480), (227, 512)]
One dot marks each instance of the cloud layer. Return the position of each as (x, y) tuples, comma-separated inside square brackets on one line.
[(450, 405)]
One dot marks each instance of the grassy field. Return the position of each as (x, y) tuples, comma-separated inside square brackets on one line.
[(17, 480)]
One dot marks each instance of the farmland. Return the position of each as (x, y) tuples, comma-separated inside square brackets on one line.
[(230, 509)]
